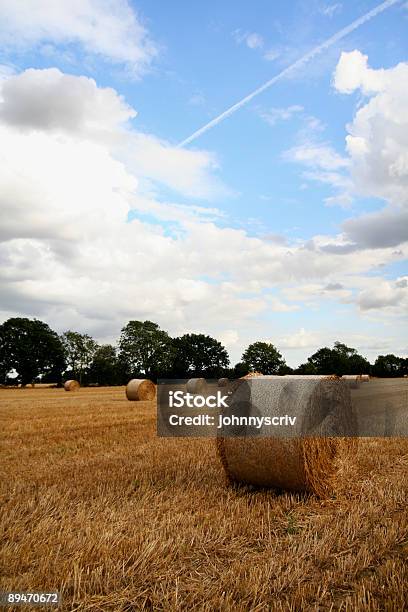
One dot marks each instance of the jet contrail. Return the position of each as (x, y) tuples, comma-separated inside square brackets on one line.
[(300, 62)]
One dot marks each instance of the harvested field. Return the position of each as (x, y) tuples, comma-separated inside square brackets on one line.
[(98, 507)]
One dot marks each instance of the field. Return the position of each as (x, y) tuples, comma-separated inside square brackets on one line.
[(96, 506)]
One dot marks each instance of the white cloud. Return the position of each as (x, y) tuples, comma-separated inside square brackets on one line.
[(253, 40), (384, 295), (299, 339), (272, 54), (274, 115), (331, 9), (377, 142), (229, 337), (51, 100), (352, 73), (317, 155), (107, 28)]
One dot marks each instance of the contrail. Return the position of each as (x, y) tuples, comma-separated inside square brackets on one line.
[(300, 62)]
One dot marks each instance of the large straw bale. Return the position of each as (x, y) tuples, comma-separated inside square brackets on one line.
[(71, 385), (365, 378), (140, 389), (305, 459), (196, 386)]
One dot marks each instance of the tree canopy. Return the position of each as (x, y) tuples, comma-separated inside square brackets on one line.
[(146, 349), (199, 355), (390, 366), (31, 348), (263, 357), (341, 359), (104, 368), (79, 351)]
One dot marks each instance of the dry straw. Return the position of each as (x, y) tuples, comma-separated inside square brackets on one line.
[(305, 460), (140, 389), (71, 385), (196, 386), (365, 378)]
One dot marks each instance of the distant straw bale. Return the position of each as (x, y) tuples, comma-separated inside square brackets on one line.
[(71, 385), (140, 389)]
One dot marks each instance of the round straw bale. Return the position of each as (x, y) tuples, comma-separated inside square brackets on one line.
[(223, 382), (304, 460), (71, 385), (140, 389), (252, 375), (353, 380), (365, 378), (196, 386)]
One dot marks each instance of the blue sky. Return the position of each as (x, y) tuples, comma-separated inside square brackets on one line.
[(268, 226)]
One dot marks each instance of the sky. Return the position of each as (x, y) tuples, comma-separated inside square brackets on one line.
[(286, 221)]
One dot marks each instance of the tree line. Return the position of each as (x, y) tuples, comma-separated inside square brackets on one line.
[(30, 351)]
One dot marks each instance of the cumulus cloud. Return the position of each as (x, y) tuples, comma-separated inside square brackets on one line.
[(299, 339), (51, 100), (110, 29), (386, 228), (377, 142), (385, 294)]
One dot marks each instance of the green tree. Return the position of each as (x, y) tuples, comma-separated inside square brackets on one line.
[(341, 359), (79, 352), (31, 348), (104, 366), (199, 355), (387, 366), (146, 349), (263, 357)]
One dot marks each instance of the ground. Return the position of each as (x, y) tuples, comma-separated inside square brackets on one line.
[(96, 506)]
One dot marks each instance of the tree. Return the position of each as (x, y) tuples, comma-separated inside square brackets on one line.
[(146, 349), (386, 366), (31, 348), (263, 357), (104, 367), (79, 352), (341, 359), (199, 355)]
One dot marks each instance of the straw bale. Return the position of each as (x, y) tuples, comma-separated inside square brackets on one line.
[(140, 389)]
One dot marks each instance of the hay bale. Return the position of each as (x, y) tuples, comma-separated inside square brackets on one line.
[(305, 459), (251, 375), (365, 378), (140, 389), (196, 386), (353, 380), (71, 385), (223, 382)]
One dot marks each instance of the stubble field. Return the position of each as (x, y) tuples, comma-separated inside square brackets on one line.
[(94, 505)]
